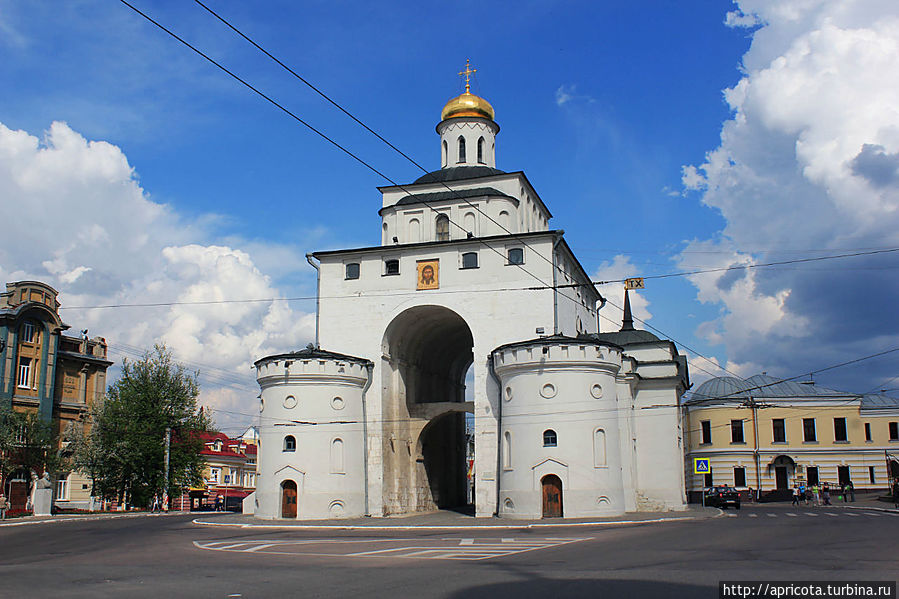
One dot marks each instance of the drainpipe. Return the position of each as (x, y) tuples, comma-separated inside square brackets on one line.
[(600, 304), (555, 286), (318, 284), (370, 368), (499, 434)]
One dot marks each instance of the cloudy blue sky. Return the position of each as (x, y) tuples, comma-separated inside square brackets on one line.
[(665, 137)]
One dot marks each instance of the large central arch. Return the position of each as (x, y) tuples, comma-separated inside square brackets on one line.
[(426, 351)]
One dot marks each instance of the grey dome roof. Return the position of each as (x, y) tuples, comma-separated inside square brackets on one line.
[(627, 337), (457, 173), (758, 386)]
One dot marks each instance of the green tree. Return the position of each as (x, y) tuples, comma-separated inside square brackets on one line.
[(124, 451), (28, 443)]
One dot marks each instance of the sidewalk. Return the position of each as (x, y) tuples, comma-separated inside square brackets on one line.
[(449, 520)]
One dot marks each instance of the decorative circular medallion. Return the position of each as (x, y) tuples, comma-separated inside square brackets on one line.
[(548, 391), (290, 402), (596, 390), (337, 403)]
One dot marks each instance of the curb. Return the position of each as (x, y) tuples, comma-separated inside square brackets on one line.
[(380, 528)]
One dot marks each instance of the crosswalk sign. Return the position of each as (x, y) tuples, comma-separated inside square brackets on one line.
[(701, 466)]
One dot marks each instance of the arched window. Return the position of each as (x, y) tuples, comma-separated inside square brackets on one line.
[(599, 447), (337, 456), (414, 231), (445, 156), (504, 221), (461, 149), (290, 443), (442, 227), (481, 150), (469, 222), (549, 438), (384, 228), (507, 450)]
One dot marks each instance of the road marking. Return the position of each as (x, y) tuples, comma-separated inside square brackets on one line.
[(753, 515), (832, 514), (791, 514), (812, 514), (853, 515), (446, 548), (772, 515)]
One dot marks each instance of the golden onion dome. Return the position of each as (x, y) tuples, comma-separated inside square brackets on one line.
[(467, 104)]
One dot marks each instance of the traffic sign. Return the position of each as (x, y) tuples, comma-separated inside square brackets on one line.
[(701, 466)]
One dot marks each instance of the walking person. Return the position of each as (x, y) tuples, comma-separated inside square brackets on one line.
[(4, 505), (851, 488), (816, 494), (795, 495), (803, 493), (825, 492)]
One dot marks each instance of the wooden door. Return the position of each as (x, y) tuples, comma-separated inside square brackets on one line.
[(780, 476), (288, 499), (552, 496)]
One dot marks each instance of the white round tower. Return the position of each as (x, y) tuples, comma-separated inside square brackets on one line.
[(312, 452), (559, 429)]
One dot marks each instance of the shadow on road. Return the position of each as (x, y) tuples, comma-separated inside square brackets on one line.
[(592, 588)]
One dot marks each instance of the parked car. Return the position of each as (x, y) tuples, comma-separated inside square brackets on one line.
[(722, 497)]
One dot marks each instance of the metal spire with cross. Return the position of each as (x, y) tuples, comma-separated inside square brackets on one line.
[(468, 72)]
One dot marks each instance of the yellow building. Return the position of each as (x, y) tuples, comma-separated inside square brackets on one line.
[(47, 372), (765, 434)]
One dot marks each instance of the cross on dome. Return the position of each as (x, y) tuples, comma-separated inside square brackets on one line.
[(468, 72)]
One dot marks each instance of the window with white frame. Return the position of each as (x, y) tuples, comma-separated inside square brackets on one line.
[(23, 380), (62, 489), (249, 479), (215, 475), (29, 332)]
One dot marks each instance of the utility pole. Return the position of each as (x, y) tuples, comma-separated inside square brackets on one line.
[(165, 490), (755, 452)]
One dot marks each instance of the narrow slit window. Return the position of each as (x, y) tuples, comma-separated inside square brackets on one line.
[(461, 149)]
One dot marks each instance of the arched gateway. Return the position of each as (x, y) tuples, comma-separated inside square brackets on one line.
[(426, 352), (469, 278)]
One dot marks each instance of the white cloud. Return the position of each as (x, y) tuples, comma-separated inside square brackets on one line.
[(84, 225), (809, 161), (563, 94)]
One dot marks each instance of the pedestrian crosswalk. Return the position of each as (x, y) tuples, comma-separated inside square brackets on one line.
[(845, 513), (446, 548)]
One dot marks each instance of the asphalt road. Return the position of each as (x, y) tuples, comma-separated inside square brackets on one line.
[(171, 557)]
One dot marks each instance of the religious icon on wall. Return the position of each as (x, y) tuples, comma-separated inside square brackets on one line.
[(428, 273)]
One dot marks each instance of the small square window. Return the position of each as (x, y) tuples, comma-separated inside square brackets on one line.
[(470, 260), (352, 270), (391, 267), (516, 256)]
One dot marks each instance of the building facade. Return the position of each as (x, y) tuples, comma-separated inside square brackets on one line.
[(229, 475), (769, 435), (45, 371), (472, 310)]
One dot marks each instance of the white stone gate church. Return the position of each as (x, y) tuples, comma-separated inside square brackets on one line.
[(567, 421)]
